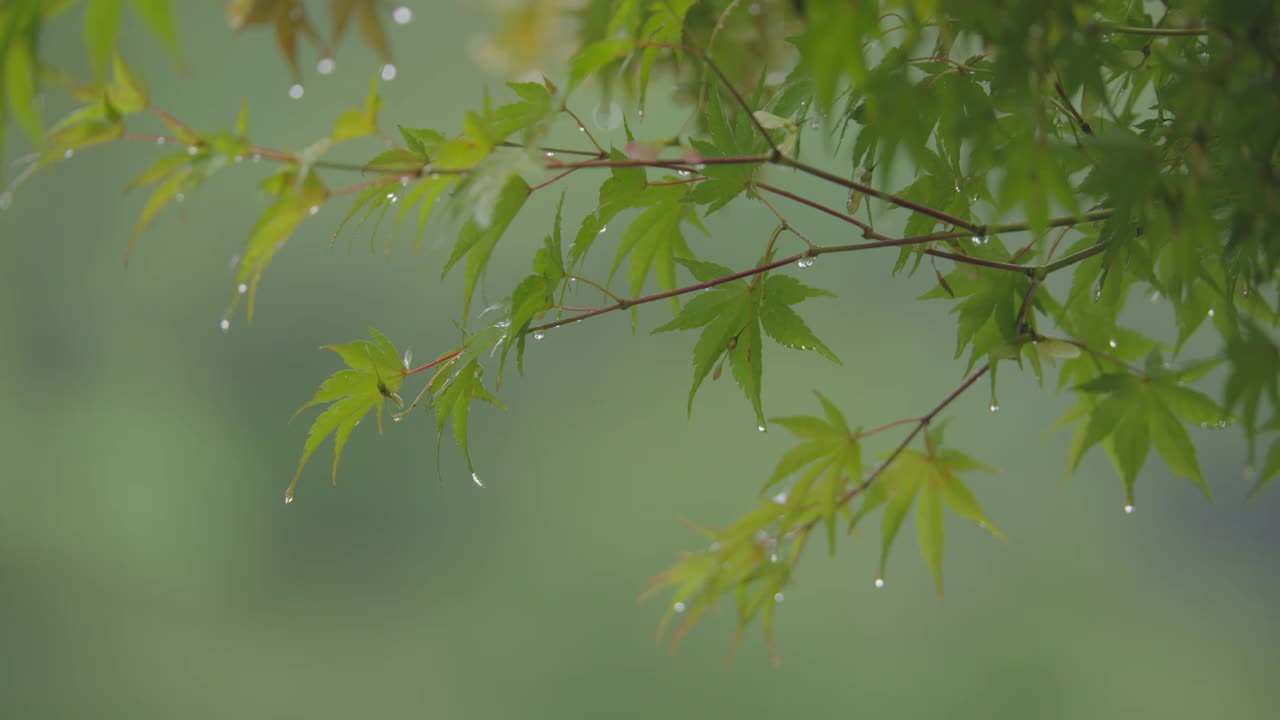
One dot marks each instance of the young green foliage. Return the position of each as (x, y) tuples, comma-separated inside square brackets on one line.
[(373, 375), (1050, 162), (734, 316)]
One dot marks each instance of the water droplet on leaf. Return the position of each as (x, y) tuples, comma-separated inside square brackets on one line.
[(1097, 292), (780, 498), (314, 209), (761, 428), (326, 66), (879, 583), (68, 153), (995, 407), (402, 15), (476, 479), (225, 325), (388, 72), (678, 607), (1112, 343), (1128, 509), (1211, 313), (777, 597), (193, 149), (242, 288), (296, 90)]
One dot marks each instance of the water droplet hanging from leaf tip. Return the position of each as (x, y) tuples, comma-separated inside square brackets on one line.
[(678, 607), (388, 72), (225, 325), (402, 15), (295, 91), (1128, 509), (879, 583), (476, 479), (995, 407), (326, 66)]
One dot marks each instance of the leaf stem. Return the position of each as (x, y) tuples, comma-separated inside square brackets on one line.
[(439, 361)]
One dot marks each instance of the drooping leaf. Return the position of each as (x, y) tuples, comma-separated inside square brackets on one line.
[(373, 376)]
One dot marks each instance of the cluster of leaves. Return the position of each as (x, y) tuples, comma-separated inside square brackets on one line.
[(1120, 151)]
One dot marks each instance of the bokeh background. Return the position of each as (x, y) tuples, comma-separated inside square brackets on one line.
[(149, 568)]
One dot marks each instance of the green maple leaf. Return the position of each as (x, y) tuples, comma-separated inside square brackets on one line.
[(372, 377), (928, 481), (653, 241), (1130, 413), (733, 316), (826, 465)]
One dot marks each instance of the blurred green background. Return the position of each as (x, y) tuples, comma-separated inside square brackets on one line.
[(149, 568)]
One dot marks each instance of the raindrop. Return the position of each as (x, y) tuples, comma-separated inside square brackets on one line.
[(773, 557), (777, 597), (1211, 313), (714, 546), (395, 418), (1245, 291), (391, 198), (6, 200), (314, 209), (235, 262), (161, 140), (640, 113), (781, 498), (388, 72), (979, 240), (1097, 292), (804, 262), (995, 407), (603, 228), (607, 118), (193, 149), (761, 428), (326, 66), (1128, 509), (476, 479), (68, 153), (288, 496), (678, 607), (582, 128), (1112, 343), (1154, 296), (879, 583), (402, 15), (225, 324), (180, 197), (296, 90), (550, 155), (242, 288), (683, 173), (408, 358), (539, 335)]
